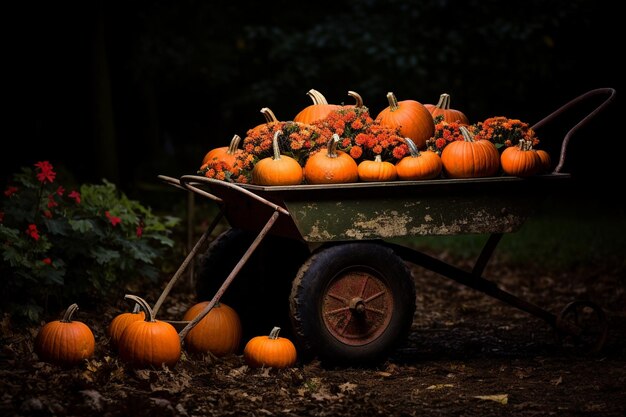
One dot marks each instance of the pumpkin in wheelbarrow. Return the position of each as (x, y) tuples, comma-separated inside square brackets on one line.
[(224, 154), (331, 166), (277, 169), (469, 158)]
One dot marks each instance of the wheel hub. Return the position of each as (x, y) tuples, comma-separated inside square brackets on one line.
[(357, 307)]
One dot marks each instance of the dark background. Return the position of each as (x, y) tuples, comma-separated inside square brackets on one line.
[(128, 90)]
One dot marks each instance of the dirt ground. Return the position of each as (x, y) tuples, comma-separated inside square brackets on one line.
[(467, 355)]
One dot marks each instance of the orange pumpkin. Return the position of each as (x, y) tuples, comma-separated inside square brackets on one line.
[(546, 161), (219, 332), (65, 342), (469, 158), (278, 169), (410, 117), (316, 111), (270, 351), (442, 108), (270, 121), (226, 154), (149, 342), (520, 160), (119, 323), (419, 165), (331, 166), (376, 170)]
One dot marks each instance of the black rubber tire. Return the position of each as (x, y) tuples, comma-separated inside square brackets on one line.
[(260, 291), (337, 268)]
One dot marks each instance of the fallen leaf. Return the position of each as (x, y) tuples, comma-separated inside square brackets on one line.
[(237, 372), (347, 387), (499, 398), (557, 381), (440, 386), (384, 374)]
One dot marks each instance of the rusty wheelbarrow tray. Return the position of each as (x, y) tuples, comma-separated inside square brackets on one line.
[(352, 297)]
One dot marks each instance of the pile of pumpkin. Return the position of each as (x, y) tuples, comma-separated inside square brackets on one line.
[(142, 341), (331, 143)]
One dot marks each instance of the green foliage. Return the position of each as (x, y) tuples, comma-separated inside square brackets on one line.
[(59, 246)]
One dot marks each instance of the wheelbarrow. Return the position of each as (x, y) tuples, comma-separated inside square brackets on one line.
[(322, 257)]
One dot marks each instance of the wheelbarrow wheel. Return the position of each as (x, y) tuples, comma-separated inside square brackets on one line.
[(260, 291), (352, 303)]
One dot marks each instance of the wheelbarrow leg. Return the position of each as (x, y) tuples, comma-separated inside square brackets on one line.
[(230, 277), (183, 266), (486, 253)]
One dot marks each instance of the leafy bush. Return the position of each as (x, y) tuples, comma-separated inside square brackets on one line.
[(61, 245)]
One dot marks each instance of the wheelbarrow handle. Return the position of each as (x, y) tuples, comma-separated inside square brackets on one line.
[(609, 92), (191, 182)]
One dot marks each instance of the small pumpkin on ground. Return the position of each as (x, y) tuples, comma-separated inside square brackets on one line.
[(470, 158), (270, 351), (331, 166), (277, 169), (150, 342), (419, 165), (65, 342), (376, 170), (520, 160), (442, 108), (410, 116), (119, 323), (219, 332)]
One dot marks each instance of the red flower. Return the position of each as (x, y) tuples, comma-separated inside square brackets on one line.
[(32, 231), (113, 219), (47, 261), (75, 195), (10, 191), (139, 231), (47, 213), (46, 172), (51, 202), (60, 190)]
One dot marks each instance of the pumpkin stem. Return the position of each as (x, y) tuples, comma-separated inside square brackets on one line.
[(525, 145), (317, 97), (234, 145), (444, 102), (393, 101), (67, 317), (274, 333), (467, 135), (332, 146), (412, 148), (136, 308), (144, 305), (378, 158), (357, 97), (275, 147), (269, 115)]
